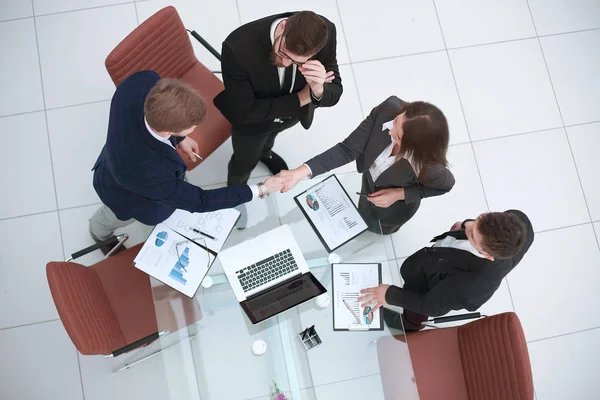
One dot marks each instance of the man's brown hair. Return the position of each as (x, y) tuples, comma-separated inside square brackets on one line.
[(503, 234), (305, 33), (173, 106)]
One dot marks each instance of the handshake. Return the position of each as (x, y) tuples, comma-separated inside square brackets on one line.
[(286, 179)]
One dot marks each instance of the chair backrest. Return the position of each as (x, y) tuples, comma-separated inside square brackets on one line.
[(160, 44), (84, 308), (495, 359)]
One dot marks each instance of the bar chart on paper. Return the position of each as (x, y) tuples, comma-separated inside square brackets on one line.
[(181, 266)]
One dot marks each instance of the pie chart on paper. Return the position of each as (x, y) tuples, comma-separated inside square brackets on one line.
[(161, 237)]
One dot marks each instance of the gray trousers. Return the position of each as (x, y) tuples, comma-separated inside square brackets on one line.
[(104, 222)]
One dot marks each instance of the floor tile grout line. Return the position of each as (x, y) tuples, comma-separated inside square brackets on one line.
[(587, 205), (237, 6), (50, 211), (337, 6), (84, 9), (563, 227), (562, 334), (80, 374), (22, 113), (462, 108), (37, 45), (77, 105), (137, 17), (16, 19), (30, 324)]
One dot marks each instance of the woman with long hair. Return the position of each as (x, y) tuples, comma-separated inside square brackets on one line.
[(400, 149)]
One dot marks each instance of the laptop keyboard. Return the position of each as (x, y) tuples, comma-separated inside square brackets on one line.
[(266, 270)]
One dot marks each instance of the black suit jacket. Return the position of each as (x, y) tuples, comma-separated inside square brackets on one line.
[(139, 177), (367, 142), (438, 279), (253, 98)]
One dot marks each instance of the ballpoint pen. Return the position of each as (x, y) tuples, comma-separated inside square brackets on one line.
[(352, 311), (198, 156), (204, 234)]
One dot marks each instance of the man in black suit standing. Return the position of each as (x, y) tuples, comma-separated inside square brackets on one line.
[(276, 71), (462, 269)]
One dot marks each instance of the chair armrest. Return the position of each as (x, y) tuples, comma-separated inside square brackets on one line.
[(205, 44), (120, 239), (452, 318), (138, 343)]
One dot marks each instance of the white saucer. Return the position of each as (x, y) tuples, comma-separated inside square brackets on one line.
[(259, 347)]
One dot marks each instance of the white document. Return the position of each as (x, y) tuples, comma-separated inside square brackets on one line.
[(332, 212), (348, 281), (173, 260), (217, 224)]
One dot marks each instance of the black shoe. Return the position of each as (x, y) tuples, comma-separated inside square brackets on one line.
[(392, 319), (274, 162), (108, 247)]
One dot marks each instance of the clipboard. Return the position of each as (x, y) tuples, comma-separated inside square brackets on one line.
[(312, 202), (337, 298)]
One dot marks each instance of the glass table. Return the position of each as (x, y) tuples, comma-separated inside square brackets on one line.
[(211, 357)]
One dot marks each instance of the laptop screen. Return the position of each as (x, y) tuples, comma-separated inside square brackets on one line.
[(282, 297)]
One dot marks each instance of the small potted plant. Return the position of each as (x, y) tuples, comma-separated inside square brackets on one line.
[(276, 393)]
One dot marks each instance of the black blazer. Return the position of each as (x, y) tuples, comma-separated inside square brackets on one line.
[(253, 98), (139, 177), (367, 142), (439, 279)]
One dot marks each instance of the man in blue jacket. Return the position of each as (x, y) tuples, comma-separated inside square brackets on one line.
[(139, 175)]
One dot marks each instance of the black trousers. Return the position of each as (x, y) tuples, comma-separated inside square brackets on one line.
[(249, 149), (384, 220)]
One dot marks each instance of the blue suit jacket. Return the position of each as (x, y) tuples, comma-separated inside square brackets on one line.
[(139, 177)]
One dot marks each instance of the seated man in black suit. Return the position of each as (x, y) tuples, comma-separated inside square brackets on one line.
[(139, 175), (462, 269), (276, 70)]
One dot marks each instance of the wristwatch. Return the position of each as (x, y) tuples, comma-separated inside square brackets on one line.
[(263, 190)]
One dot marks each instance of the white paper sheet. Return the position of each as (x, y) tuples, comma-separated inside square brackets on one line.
[(158, 258), (216, 223), (348, 281), (332, 212)]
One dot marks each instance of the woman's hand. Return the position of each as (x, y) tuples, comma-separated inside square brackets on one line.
[(294, 176), (386, 197), (374, 297)]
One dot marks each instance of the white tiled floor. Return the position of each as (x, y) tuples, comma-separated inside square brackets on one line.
[(519, 79)]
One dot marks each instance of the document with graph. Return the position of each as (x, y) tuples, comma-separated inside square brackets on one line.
[(347, 282), (175, 259), (331, 213), (214, 226)]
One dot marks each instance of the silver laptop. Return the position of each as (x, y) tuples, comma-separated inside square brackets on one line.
[(269, 275)]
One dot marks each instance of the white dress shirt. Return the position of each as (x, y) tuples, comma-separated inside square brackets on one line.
[(450, 241), (281, 70), (385, 159), (165, 140)]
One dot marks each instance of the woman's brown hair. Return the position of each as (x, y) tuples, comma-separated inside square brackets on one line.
[(425, 135)]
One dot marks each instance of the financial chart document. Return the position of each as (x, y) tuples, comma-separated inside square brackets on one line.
[(332, 212)]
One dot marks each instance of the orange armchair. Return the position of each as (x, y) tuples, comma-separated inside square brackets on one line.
[(483, 360), (110, 308), (161, 44)]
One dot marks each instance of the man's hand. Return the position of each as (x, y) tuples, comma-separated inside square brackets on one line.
[(316, 76), (304, 95), (295, 176), (276, 183), (457, 225), (374, 297), (189, 147), (386, 197)]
